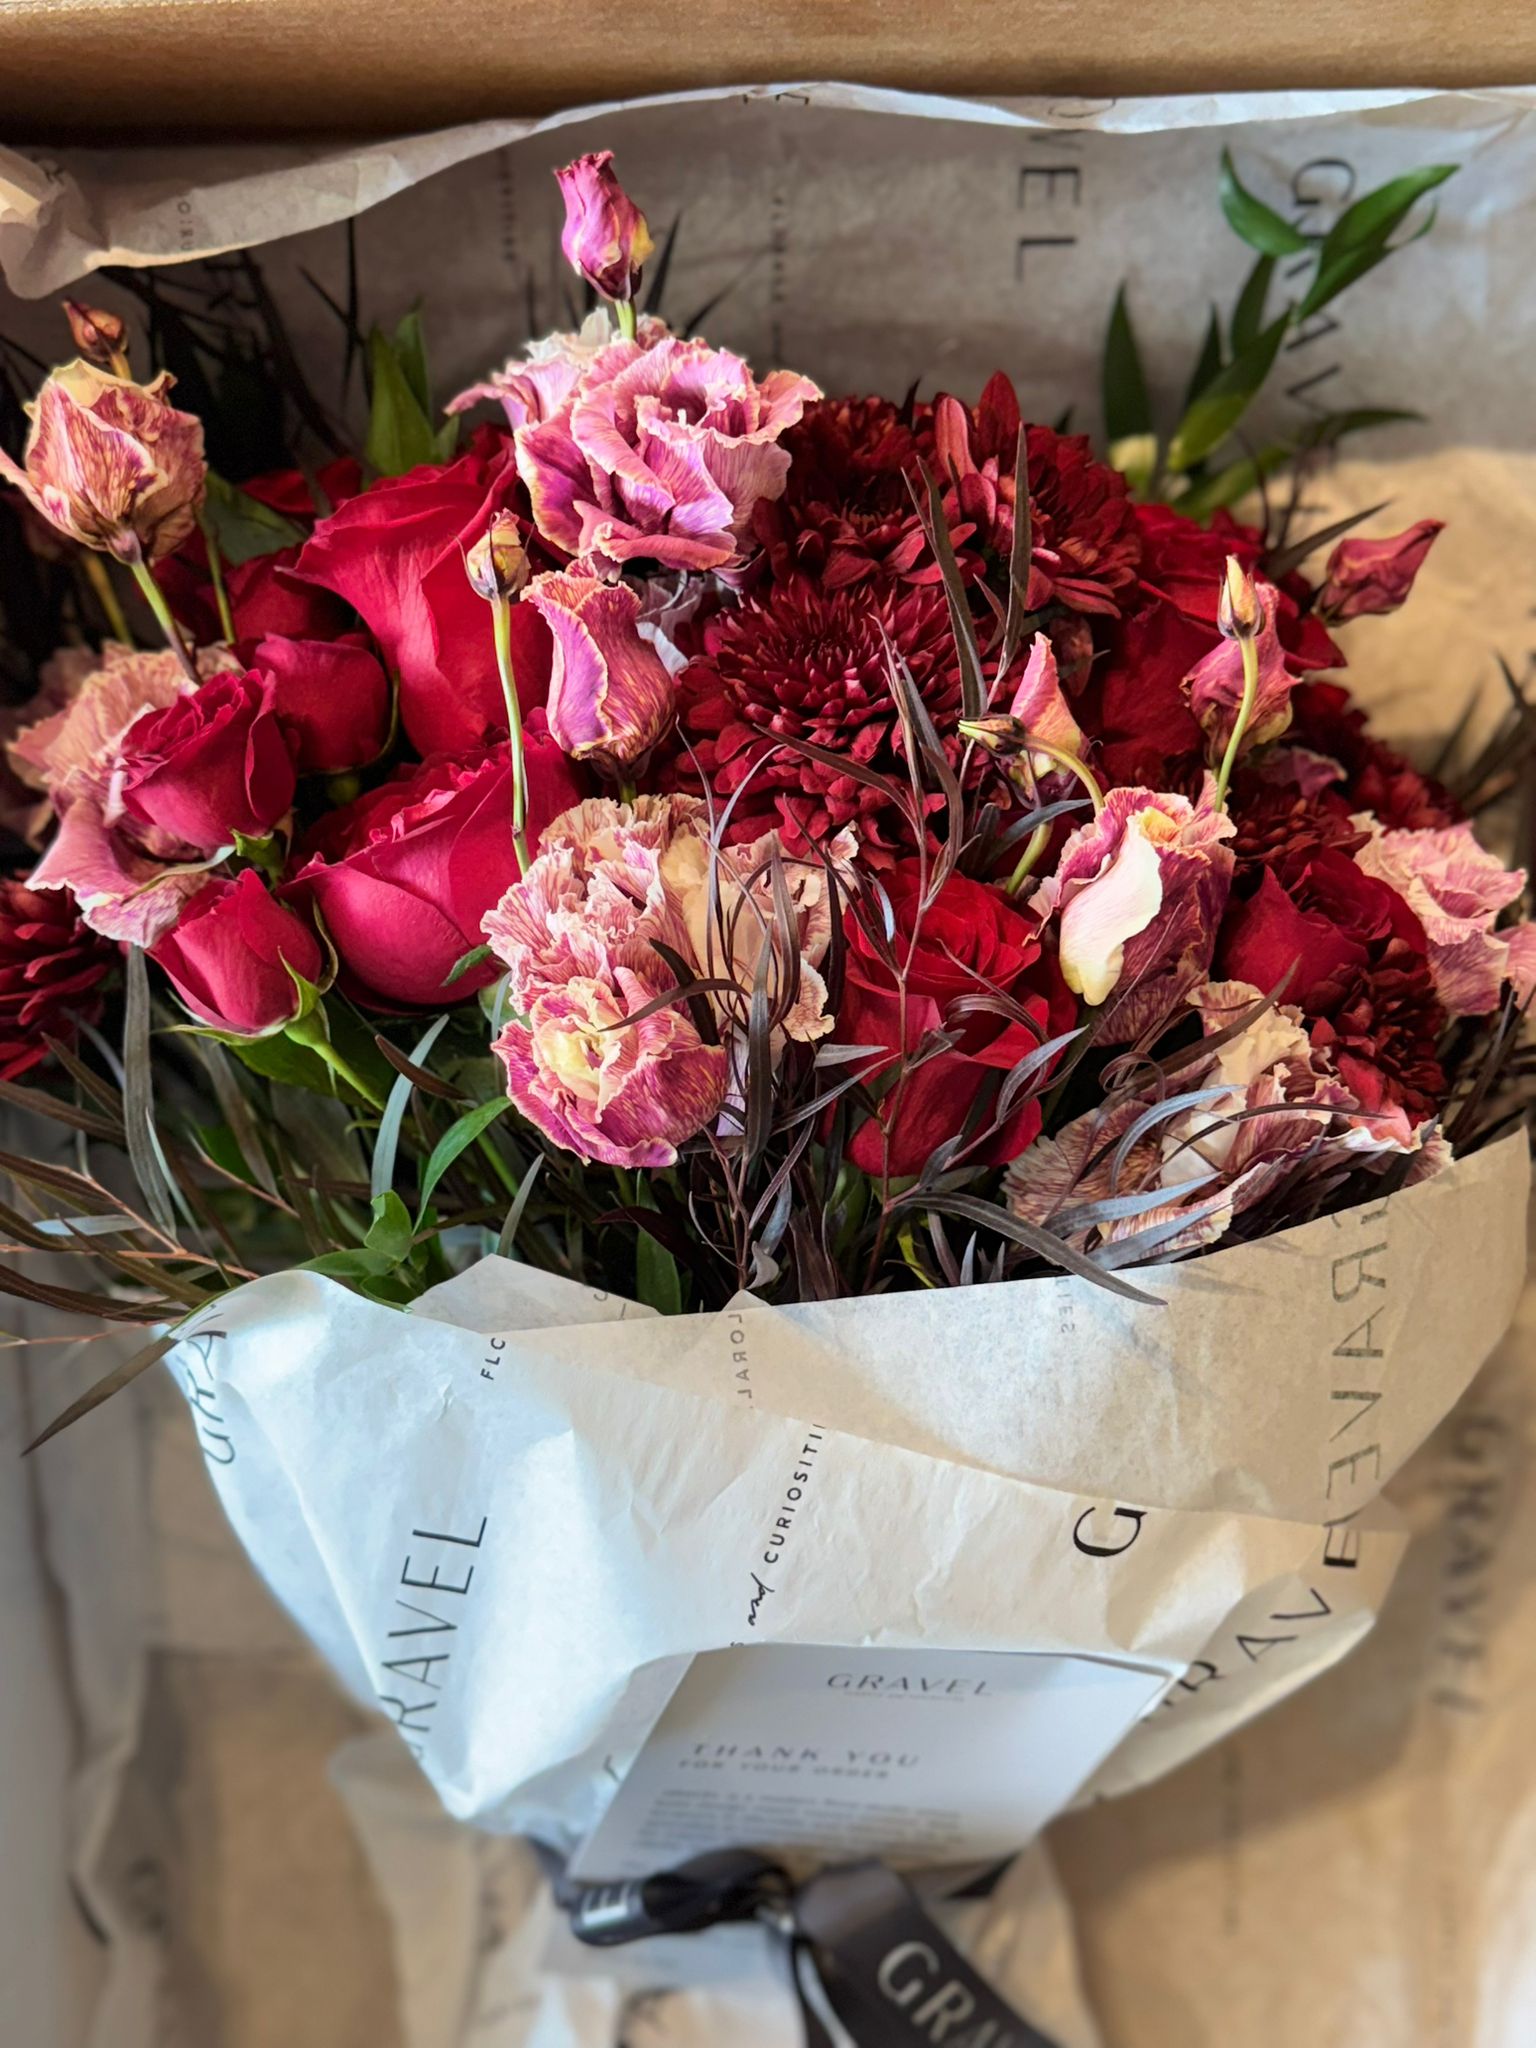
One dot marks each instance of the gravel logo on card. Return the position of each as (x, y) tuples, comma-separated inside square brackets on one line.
[(422, 1674), (196, 1353), (1357, 1283)]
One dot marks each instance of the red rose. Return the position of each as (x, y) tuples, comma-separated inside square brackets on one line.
[(265, 596), (971, 947), (402, 877), (288, 491), (1354, 955), (51, 971), (396, 553), (332, 696), (229, 956), (213, 763)]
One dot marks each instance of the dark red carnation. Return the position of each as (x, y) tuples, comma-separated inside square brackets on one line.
[(51, 971), (402, 877), (1279, 825), (1085, 544), (1325, 718), (847, 511), (802, 662), (970, 966), (1351, 956)]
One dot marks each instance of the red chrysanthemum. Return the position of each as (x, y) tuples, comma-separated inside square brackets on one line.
[(1085, 544), (1378, 778), (847, 511), (51, 971), (1382, 1036), (1279, 824), (802, 662)]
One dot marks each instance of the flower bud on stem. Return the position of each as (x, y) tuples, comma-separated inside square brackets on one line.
[(501, 613), (1239, 618)]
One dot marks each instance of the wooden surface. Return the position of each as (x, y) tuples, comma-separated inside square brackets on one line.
[(84, 67)]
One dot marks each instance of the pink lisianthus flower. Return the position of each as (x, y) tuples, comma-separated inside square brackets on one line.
[(130, 879), (1138, 895), (112, 464), (611, 697), (1456, 889), (1039, 704), (1215, 684), (535, 385), (1274, 1109), (576, 934), (621, 894), (605, 238), (660, 454), (1374, 576)]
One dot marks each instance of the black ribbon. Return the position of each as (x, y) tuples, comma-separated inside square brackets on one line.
[(856, 1932)]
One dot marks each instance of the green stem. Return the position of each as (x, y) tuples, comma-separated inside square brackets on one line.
[(624, 310), (310, 1032), (154, 597), (1244, 714), (501, 611), (100, 578), (1073, 766), (216, 571), (1039, 840)]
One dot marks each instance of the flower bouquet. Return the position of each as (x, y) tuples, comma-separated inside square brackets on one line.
[(780, 1059)]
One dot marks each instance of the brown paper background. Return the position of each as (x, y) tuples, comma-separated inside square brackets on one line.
[(77, 67)]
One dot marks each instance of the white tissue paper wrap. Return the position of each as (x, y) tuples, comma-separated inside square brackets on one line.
[(870, 239)]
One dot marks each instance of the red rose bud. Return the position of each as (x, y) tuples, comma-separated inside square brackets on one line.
[(610, 696), (1215, 685), (1373, 576), (605, 238), (332, 697), (497, 565), (402, 877), (233, 955), (101, 338), (111, 463), (213, 763)]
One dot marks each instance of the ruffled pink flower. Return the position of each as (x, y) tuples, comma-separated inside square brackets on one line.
[(1372, 576), (535, 385), (610, 695), (1138, 895), (129, 885), (1215, 684), (1456, 889), (605, 238), (111, 463), (1039, 704), (1275, 1110), (660, 454), (576, 934)]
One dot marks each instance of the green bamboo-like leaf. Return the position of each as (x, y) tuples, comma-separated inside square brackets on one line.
[(1258, 225), (1229, 485), (410, 344), (456, 1139), (144, 1152), (1208, 363), (381, 1179), (400, 435), (1359, 419), (1362, 235), (1217, 411), (1248, 313), (1127, 408), (242, 526), (110, 1383)]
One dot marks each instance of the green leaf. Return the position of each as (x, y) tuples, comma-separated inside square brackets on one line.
[(1362, 236), (1208, 363), (242, 526), (280, 1059), (388, 1140), (400, 435), (1217, 411), (1258, 225), (1248, 313), (1227, 486), (1127, 408), (1358, 420), (456, 1139), (466, 961), (356, 1265), (411, 353), (657, 1281), (391, 1230)]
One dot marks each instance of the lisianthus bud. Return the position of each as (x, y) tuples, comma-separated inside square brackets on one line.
[(497, 564), (100, 337), (111, 463), (234, 954), (1237, 609), (1372, 576), (605, 238), (610, 696)]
